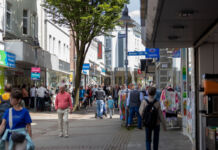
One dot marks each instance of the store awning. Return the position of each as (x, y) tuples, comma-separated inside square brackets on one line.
[(178, 23)]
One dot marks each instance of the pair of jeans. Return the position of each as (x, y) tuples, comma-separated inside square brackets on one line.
[(100, 104), (132, 111), (148, 133), (41, 103), (111, 110)]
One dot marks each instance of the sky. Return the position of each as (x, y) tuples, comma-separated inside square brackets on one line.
[(134, 10)]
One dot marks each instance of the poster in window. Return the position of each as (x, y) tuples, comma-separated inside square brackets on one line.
[(99, 50)]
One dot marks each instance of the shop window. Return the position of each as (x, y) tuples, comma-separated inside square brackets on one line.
[(59, 47)]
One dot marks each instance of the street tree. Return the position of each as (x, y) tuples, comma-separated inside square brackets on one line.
[(86, 19)]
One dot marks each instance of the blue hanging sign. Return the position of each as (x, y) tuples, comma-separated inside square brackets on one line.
[(152, 52), (10, 60), (86, 66)]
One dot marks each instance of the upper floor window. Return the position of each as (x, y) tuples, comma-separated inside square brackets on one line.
[(50, 43), (33, 25), (25, 21), (8, 17), (64, 52), (53, 45), (59, 48)]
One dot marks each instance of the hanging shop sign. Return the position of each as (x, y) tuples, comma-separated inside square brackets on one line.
[(152, 52), (86, 67), (7, 59), (35, 73), (103, 70), (99, 50)]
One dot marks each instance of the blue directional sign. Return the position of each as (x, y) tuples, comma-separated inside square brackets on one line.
[(137, 53), (86, 66), (121, 35), (152, 52)]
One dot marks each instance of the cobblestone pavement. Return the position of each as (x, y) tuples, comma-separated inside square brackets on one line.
[(88, 133)]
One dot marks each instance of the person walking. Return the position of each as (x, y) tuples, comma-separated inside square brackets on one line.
[(115, 95), (5, 100), (41, 91), (17, 122), (81, 95), (100, 96), (32, 96), (63, 105), (151, 107), (110, 106), (25, 96), (133, 104)]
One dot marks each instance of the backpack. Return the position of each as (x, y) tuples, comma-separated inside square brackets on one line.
[(150, 115)]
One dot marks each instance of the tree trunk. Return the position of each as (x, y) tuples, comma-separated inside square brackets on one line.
[(79, 64)]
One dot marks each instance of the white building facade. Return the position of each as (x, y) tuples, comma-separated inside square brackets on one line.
[(96, 59), (56, 41)]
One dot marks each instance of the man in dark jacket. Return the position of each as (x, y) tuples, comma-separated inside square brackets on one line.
[(133, 104), (100, 96)]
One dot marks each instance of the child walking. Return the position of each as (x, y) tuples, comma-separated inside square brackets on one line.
[(110, 106)]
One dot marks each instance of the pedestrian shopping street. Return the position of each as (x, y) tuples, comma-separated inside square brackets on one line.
[(89, 133)]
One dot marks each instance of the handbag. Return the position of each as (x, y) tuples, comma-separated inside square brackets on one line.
[(15, 136)]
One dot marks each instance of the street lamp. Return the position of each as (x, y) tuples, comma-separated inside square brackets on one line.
[(36, 46), (128, 22)]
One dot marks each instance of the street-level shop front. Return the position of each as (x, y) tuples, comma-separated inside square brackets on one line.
[(7, 63)]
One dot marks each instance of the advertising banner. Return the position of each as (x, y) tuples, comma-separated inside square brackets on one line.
[(35, 73), (7, 59), (99, 50)]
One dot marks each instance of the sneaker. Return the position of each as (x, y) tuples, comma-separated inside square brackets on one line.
[(66, 136), (101, 117), (61, 135)]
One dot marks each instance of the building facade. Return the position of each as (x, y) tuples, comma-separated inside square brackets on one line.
[(55, 40), (20, 34), (118, 54), (95, 59)]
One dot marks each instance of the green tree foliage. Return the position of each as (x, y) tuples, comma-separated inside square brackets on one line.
[(86, 19)]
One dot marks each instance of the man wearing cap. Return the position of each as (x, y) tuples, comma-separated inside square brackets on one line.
[(63, 105)]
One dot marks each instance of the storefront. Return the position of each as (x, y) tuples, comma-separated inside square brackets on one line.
[(7, 63), (55, 77)]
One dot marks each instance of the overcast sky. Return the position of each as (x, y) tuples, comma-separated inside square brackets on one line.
[(134, 10)]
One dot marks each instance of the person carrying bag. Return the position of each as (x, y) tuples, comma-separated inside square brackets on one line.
[(18, 129)]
